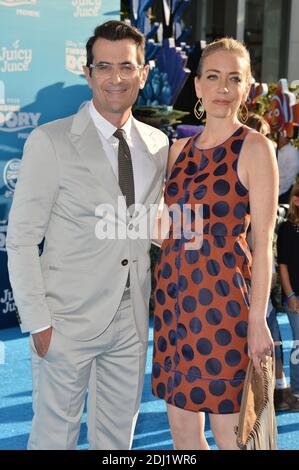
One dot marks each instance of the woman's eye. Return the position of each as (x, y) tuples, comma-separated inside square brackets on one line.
[(212, 77), (236, 79)]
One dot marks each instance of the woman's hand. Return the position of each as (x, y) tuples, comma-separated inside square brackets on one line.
[(260, 343), (293, 304)]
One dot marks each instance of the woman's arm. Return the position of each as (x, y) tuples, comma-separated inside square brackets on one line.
[(162, 223), (261, 175), (293, 303), (283, 256)]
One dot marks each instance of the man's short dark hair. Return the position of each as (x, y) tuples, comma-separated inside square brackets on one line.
[(116, 31)]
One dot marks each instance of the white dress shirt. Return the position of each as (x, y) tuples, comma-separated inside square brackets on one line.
[(143, 167)]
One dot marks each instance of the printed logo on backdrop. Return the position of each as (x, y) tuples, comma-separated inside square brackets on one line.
[(20, 3), (3, 231), (75, 57), (7, 303), (10, 173), (14, 120), (86, 8), (15, 58)]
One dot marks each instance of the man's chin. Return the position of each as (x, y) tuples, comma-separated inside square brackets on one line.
[(119, 109)]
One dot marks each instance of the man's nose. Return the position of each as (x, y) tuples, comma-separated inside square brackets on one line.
[(115, 77)]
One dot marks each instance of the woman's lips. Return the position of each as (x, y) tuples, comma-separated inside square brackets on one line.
[(221, 102)]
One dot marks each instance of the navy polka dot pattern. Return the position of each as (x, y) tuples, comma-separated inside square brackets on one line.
[(217, 387), (221, 187), (172, 189), (197, 395), (223, 337), (200, 192), (201, 295), (166, 270), (213, 267), (214, 316), (219, 154), (195, 325), (197, 276), (204, 346), (220, 209), (201, 178)]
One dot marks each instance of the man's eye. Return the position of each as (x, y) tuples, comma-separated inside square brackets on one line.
[(127, 67), (104, 66)]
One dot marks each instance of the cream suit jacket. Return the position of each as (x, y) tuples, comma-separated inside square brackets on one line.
[(67, 193)]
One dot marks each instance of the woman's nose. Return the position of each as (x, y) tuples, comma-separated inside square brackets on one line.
[(223, 86)]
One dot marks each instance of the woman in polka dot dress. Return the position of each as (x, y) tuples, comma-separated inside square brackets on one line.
[(210, 300)]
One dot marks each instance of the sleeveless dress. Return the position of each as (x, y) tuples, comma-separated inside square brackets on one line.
[(201, 294)]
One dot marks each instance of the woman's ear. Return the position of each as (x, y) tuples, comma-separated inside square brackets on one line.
[(246, 92), (197, 87)]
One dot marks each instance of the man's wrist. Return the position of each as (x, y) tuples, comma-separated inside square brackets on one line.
[(39, 330)]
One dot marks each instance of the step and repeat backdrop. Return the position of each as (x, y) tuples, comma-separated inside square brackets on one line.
[(42, 50)]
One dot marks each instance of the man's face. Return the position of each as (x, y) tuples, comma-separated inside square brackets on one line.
[(114, 94)]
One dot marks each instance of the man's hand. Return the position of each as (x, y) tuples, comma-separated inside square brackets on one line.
[(42, 341)]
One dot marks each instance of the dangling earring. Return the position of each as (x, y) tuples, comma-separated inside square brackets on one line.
[(199, 110), (243, 113)]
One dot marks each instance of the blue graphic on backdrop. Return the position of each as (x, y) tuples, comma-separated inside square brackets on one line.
[(42, 50)]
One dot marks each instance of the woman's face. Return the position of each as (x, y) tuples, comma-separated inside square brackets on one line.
[(266, 130), (296, 201), (223, 85)]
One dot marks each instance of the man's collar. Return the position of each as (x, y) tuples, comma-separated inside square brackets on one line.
[(104, 126)]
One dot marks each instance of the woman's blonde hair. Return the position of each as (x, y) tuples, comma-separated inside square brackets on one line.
[(293, 213), (229, 45)]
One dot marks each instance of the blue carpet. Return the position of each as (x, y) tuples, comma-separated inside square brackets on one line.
[(152, 430)]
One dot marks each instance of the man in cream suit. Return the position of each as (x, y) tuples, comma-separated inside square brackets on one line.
[(85, 299)]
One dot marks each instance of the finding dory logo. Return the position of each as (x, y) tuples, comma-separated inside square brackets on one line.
[(283, 112)]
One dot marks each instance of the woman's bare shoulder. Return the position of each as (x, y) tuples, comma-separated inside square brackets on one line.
[(258, 148), (175, 150), (257, 140)]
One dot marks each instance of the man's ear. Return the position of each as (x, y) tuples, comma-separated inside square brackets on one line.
[(144, 75), (86, 71)]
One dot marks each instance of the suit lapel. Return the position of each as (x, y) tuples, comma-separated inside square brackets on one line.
[(86, 140), (147, 134)]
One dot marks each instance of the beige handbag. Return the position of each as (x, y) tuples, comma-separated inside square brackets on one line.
[(257, 425)]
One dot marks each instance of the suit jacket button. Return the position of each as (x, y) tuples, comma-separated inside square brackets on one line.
[(124, 262)]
